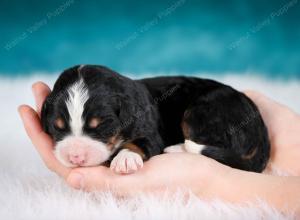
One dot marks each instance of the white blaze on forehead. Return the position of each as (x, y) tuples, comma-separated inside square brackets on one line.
[(78, 95)]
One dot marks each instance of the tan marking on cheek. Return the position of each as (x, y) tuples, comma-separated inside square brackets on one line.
[(94, 122), (59, 122), (112, 142), (250, 155), (134, 148)]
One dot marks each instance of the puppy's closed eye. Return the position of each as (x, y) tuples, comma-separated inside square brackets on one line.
[(94, 122), (59, 123)]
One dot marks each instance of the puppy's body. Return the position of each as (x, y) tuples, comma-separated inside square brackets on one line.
[(95, 115), (225, 123)]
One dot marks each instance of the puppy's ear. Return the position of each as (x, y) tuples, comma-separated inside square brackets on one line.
[(126, 111)]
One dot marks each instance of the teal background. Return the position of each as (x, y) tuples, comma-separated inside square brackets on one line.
[(135, 36)]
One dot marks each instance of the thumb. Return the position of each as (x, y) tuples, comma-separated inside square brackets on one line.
[(91, 178), (102, 179), (75, 180), (88, 178)]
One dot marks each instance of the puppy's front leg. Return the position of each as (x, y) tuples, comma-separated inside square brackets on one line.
[(132, 154), (128, 160)]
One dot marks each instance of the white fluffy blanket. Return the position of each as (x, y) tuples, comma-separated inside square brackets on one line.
[(29, 191)]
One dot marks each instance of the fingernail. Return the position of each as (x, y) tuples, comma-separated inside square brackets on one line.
[(76, 180)]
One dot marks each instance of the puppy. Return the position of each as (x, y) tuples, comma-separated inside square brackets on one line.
[(96, 115)]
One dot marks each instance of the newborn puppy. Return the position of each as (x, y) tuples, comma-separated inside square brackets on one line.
[(96, 115)]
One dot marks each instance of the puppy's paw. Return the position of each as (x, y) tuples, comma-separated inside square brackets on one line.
[(192, 147), (126, 162), (179, 148)]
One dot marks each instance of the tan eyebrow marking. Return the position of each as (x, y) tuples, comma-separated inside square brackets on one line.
[(94, 122), (59, 122)]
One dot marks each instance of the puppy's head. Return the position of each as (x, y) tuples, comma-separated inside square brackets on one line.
[(82, 114)]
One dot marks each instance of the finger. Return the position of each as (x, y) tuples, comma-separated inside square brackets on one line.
[(264, 103), (102, 179), (278, 127), (40, 91), (42, 142)]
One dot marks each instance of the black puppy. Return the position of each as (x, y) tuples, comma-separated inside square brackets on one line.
[(96, 115)]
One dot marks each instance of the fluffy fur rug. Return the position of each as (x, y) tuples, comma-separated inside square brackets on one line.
[(29, 191)]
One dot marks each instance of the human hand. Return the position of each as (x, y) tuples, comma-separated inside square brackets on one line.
[(284, 132), (162, 171), (201, 175)]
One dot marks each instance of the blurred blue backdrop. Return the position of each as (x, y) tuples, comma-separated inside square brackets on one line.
[(136, 36)]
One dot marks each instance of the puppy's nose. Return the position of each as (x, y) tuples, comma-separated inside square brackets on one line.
[(77, 159)]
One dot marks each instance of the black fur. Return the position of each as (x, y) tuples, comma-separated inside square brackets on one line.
[(151, 114)]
